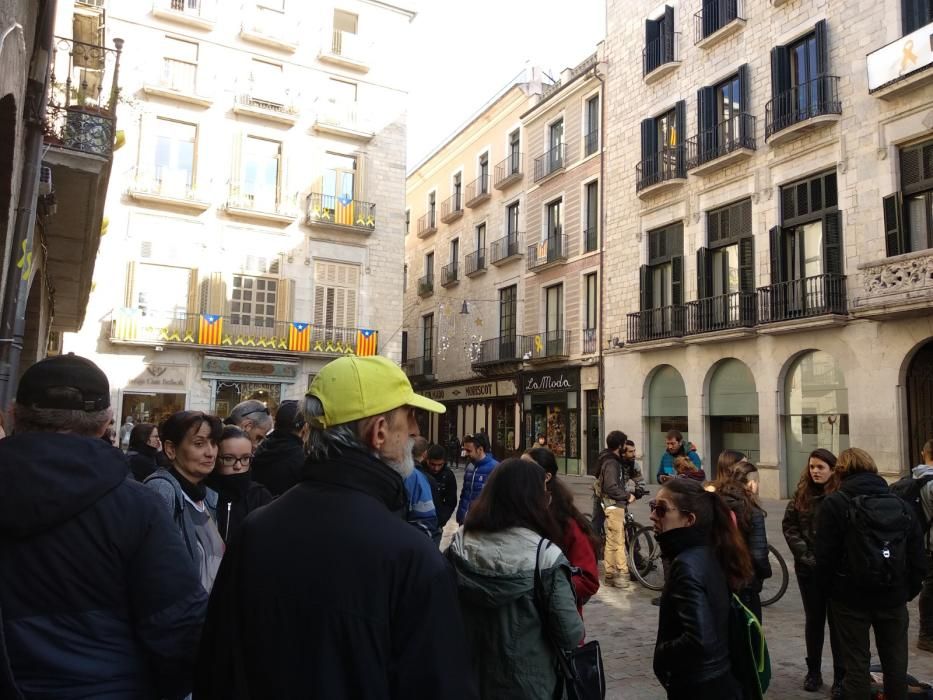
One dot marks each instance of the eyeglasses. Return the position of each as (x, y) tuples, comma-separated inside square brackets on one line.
[(231, 460), (661, 508)]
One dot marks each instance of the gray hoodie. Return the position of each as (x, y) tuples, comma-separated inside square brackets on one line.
[(926, 498)]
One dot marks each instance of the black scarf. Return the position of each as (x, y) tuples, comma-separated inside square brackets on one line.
[(196, 492), (673, 542), (360, 471), (231, 487)]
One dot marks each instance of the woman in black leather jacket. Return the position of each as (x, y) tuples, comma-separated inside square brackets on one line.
[(708, 562)]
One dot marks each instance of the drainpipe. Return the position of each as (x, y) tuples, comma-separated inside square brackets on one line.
[(601, 387), (16, 292)]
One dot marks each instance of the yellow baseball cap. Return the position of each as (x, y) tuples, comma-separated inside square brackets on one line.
[(351, 388)]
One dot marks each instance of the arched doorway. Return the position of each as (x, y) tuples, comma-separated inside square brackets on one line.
[(733, 412), (816, 411), (919, 402), (667, 410)]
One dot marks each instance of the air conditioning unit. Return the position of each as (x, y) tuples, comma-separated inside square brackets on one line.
[(45, 181)]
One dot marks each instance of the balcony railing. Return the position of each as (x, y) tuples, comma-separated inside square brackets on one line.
[(506, 348), (591, 143), (174, 184), (276, 106), (713, 16), (726, 137), (80, 113), (349, 46), (342, 116), (269, 25), (265, 200), (450, 274), (506, 247), (814, 98), (664, 49), (589, 341), (148, 327), (427, 224), (802, 298), (341, 211), (477, 191), (656, 324), (508, 170), (590, 239), (475, 262), (551, 249), (452, 208), (546, 344), (420, 367), (426, 286), (550, 162), (668, 164), (723, 312)]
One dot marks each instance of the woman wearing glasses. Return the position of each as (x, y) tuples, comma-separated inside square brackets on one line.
[(238, 494)]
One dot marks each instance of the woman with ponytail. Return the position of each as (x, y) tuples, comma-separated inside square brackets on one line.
[(709, 562)]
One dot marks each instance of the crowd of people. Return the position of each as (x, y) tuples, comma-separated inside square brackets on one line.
[(298, 554)]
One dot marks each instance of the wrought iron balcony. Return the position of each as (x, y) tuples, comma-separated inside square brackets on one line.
[(427, 224), (342, 212), (420, 368), (812, 100), (342, 119), (802, 298), (589, 341), (591, 143), (506, 248), (450, 274), (715, 16), (494, 351), (731, 136), (550, 162), (452, 208), (663, 51), (666, 166), (508, 171), (265, 107), (426, 285), (191, 12), (723, 312), (552, 249), (545, 345), (656, 324), (477, 191), (475, 262)]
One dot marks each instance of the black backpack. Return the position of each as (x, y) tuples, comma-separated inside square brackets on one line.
[(876, 540), (909, 488)]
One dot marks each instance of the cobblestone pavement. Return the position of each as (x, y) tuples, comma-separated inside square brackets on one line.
[(625, 623)]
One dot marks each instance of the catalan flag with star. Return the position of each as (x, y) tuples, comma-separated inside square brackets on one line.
[(210, 329), (299, 337), (367, 342)]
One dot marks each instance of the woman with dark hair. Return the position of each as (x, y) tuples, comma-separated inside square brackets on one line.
[(577, 539), (799, 527), (232, 479), (142, 455), (709, 561), (725, 463), (190, 440), (512, 623)]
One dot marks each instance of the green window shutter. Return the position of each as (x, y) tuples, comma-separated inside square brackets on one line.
[(893, 226), (832, 243), (644, 288), (777, 254), (703, 273), (747, 264), (677, 280)]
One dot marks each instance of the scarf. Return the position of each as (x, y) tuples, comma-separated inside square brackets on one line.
[(196, 492), (360, 471), (231, 487)]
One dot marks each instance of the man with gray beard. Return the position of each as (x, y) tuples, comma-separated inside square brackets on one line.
[(327, 592)]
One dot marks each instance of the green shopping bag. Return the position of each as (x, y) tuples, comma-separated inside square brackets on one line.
[(751, 663)]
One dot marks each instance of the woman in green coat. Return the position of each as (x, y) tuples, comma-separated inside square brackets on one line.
[(512, 639)]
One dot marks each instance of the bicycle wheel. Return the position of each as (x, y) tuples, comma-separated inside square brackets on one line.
[(774, 588), (644, 559)]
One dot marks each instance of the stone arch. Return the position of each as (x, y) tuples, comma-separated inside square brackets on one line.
[(916, 382), (730, 410), (665, 407)]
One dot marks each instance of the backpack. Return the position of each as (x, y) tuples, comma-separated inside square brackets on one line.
[(748, 650), (909, 488), (876, 540)]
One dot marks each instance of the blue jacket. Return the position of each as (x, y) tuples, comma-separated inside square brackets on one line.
[(667, 460), (474, 478), (421, 511)]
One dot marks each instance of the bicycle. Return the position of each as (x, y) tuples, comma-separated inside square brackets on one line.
[(774, 588), (644, 554)]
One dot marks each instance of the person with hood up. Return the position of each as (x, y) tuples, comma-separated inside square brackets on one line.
[(280, 458), (513, 628), (480, 465), (924, 472), (99, 599), (143, 454), (237, 494)]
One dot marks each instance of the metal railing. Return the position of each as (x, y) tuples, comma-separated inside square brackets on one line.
[(550, 162), (345, 115), (668, 164), (588, 341), (664, 49), (260, 199), (419, 366), (733, 310), (475, 261), (427, 223), (713, 16), (452, 207), (802, 298), (450, 274), (349, 45), (506, 247), (505, 348), (546, 344), (813, 98), (341, 211), (656, 324), (179, 75), (551, 249), (508, 170), (727, 136), (426, 285), (477, 190), (192, 6), (590, 239), (591, 143), (266, 105)]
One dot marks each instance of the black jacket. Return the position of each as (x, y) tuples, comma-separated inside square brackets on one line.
[(800, 532), (831, 565), (143, 461), (237, 496), (328, 593), (279, 462), (99, 596), (610, 477), (693, 627), (756, 539), (444, 491)]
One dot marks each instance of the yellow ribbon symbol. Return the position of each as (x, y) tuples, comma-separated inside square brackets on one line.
[(539, 346), (25, 262), (908, 55)]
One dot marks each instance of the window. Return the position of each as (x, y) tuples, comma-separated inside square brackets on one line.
[(908, 214), (591, 213), (458, 189), (554, 222), (180, 65), (659, 41), (662, 277), (454, 251), (260, 176), (483, 174), (432, 209), (716, 14), (508, 312), (174, 156), (267, 81), (662, 147), (723, 125), (800, 85), (554, 319), (555, 145), (253, 301), (515, 155), (336, 290), (160, 290), (481, 237), (727, 266), (511, 220), (342, 92), (915, 14), (427, 336), (407, 221), (591, 140), (429, 265), (346, 25), (339, 179), (591, 301)]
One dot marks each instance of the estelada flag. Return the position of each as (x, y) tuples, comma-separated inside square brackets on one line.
[(210, 329), (367, 342), (299, 337)]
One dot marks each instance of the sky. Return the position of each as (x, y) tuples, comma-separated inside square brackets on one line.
[(463, 53)]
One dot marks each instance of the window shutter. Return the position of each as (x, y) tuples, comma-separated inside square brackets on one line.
[(675, 239), (706, 123), (217, 295), (747, 264), (236, 157), (404, 347), (359, 178), (129, 290), (145, 159), (677, 280), (822, 48), (745, 124), (320, 294), (285, 292), (893, 228), (649, 144), (703, 273), (194, 285), (777, 255), (780, 78), (832, 243), (680, 126), (667, 35), (652, 34), (644, 288)]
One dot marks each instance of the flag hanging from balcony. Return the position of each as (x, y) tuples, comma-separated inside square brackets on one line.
[(299, 337), (366, 342), (210, 329), (344, 211)]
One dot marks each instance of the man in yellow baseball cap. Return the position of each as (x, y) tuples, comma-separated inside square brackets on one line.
[(332, 565)]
